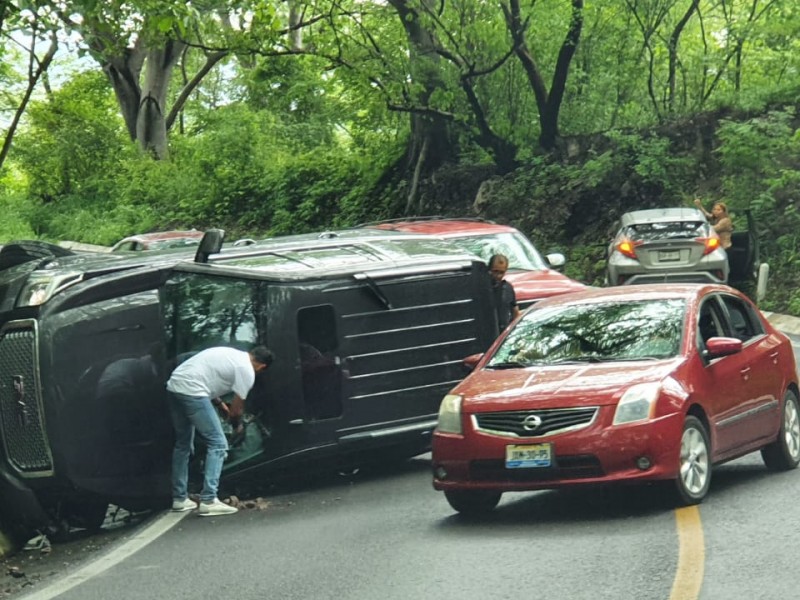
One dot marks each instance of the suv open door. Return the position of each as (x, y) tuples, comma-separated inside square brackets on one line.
[(743, 255)]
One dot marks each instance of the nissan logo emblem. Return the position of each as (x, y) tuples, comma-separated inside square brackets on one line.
[(531, 422)]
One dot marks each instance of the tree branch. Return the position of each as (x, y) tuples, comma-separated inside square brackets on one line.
[(211, 60)]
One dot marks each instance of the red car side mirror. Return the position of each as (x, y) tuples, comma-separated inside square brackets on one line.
[(472, 360), (722, 346)]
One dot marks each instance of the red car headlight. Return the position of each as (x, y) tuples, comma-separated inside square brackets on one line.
[(450, 414), (637, 403)]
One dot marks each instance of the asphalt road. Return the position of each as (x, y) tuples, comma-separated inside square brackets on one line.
[(385, 536), (390, 536)]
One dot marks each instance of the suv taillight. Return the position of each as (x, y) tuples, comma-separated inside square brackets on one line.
[(628, 248), (709, 244)]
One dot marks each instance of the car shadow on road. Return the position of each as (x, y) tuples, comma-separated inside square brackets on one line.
[(589, 504), (331, 477), (604, 503), (730, 477)]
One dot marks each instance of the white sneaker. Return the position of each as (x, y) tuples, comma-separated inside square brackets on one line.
[(210, 509), (183, 505)]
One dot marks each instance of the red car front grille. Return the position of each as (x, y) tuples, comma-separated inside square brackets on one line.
[(534, 423)]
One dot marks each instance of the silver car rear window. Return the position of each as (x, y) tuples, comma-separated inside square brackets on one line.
[(648, 232)]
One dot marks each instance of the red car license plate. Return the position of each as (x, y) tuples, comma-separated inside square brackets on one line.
[(529, 456)]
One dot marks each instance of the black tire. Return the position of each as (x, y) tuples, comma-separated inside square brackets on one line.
[(473, 502), (694, 463), (784, 453)]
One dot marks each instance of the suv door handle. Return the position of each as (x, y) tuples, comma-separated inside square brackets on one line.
[(774, 357), (745, 373)]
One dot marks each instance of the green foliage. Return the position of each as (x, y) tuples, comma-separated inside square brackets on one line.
[(71, 137), (272, 144), (15, 224), (761, 160)]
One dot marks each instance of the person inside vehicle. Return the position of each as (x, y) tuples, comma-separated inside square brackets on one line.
[(195, 387), (505, 301), (720, 221)]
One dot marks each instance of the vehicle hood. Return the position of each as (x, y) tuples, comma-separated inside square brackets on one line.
[(489, 390), (538, 285)]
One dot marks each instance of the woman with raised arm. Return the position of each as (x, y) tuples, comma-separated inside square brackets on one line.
[(720, 221)]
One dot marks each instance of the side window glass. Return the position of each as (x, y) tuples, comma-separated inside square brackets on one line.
[(202, 311), (709, 324), (319, 363), (741, 321)]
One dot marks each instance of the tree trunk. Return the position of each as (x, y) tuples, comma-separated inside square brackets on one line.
[(672, 47), (549, 121), (34, 75), (428, 131), (548, 103), (151, 121)]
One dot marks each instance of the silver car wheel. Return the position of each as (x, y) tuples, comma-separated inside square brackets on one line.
[(784, 453), (694, 465), (791, 430)]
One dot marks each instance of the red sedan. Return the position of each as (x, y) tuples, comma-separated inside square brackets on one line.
[(158, 240), (531, 275), (654, 383)]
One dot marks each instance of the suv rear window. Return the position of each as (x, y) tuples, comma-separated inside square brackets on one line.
[(649, 232)]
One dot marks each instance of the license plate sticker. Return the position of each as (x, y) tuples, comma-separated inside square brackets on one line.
[(669, 255), (529, 456)]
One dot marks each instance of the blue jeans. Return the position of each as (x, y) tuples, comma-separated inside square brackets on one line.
[(191, 413)]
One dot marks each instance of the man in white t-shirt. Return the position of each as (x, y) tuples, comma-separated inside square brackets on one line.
[(195, 387)]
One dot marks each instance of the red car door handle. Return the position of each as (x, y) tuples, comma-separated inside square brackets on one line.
[(774, 357), (745, 373)]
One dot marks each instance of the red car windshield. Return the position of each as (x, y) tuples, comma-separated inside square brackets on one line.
[(520, 252), (172, 243), (595, 332)]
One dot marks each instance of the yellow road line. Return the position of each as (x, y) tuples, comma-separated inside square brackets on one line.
[(691, 555)]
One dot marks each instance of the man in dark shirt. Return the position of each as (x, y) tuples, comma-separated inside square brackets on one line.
[(505, 301)]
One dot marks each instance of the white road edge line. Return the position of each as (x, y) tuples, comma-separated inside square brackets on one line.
[(156, 529)]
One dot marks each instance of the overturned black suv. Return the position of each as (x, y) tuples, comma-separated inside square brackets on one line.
[(368, 328)]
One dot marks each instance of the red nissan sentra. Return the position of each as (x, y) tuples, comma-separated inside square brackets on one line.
[(659, 382)]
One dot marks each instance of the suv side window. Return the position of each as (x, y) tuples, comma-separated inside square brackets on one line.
[(742, 323), (201, 311), (319, 364)]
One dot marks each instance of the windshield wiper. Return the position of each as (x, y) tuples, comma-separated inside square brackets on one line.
[(605, 359), (590, 358), (510, 364)]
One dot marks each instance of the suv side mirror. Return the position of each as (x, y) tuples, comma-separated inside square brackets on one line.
[(210, 244)]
